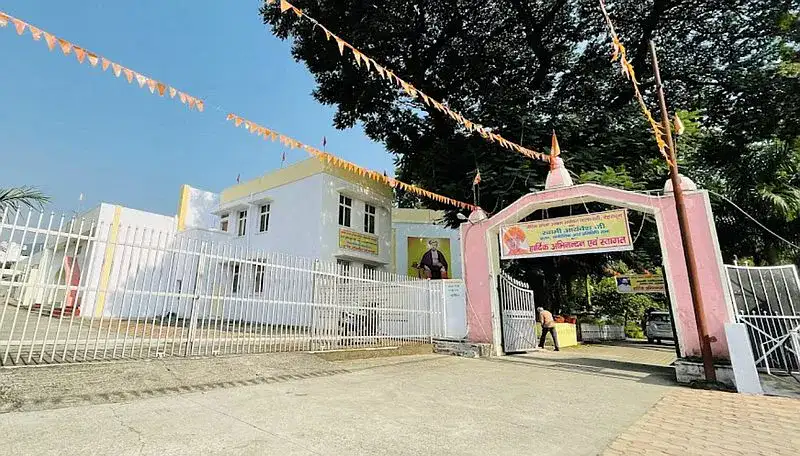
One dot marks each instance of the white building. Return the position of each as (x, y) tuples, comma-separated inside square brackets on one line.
[(310, 209), (234, 249)]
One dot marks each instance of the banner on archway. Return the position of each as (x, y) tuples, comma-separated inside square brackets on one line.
[(589, 233)]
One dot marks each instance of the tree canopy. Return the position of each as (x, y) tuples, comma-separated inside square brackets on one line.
[(527, 67)]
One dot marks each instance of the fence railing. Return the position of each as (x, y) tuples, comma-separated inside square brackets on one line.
[(767, 302), (91, 290)]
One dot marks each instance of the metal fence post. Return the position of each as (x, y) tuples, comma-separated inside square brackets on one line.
[(199, 276)]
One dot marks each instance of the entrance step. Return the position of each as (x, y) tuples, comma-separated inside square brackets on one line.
[(462, 348)]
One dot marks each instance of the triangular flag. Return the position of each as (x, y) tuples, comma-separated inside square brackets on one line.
[(366, 62), (152, 85), (51, 40), (66, 46), (477, 179), (358, 56), (141, 79), (20, 25), (555, 149), (182, 96), (117, 69), (380, 70), (327, 33), (246, 123), (192, 101), (3, 20), (93, 59), (162, 88), (230, 115), (105, 63), (128, 75), (341, 43), (172, 92), (35, 33), (236, 120), (679, 128), (80, 54), (285, 6), (297, 11)]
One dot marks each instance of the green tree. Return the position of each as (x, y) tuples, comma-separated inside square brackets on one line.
[(526, 67)]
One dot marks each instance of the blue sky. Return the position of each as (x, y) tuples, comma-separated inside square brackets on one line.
[(72, 129)]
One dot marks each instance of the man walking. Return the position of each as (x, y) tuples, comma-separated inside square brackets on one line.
[(548, 326)]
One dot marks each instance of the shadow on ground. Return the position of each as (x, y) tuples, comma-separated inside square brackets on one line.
[(655, 375)]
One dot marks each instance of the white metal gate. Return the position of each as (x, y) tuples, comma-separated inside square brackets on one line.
[(518, 314), (767, 301)]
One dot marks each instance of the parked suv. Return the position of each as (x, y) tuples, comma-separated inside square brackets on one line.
[(658, 327)]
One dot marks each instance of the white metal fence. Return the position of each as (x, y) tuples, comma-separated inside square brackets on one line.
[(767, 301), (93, 290)]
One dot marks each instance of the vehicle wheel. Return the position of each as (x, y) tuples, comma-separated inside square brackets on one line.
[(650, 341)]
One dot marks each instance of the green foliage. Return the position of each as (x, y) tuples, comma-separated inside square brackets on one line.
[(14, 197), (633, 330), (526, 67)]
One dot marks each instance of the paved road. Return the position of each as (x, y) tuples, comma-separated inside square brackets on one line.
[(400, 406), (586, 401)]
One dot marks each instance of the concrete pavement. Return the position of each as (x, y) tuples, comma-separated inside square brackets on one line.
[(397, 406), (587, 401)]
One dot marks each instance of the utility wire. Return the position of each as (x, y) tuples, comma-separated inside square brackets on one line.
[(724, 198)]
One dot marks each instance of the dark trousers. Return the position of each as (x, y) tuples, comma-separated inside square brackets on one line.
[(554, 335)]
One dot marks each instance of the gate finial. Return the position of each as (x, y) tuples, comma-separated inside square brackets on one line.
[(558, 176)]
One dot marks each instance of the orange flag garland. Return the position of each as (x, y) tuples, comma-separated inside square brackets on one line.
[(410, 89), (344, 164), (619, 53), (82, 54)]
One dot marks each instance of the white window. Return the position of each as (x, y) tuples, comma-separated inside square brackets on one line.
[(345, 208), (263, 221), (369, 218), (223, 222), (259, 282), (242, 223), (235, 281)]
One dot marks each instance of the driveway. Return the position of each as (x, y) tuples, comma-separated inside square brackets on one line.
[(397, 406), (586, 401)]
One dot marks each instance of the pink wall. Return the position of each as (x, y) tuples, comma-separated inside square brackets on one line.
[(477, 262)]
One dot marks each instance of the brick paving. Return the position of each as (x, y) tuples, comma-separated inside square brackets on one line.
[(695, 422)]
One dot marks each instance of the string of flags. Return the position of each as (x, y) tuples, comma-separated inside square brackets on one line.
[(269, 134), (82, 55), (620, 54), (385, 73)]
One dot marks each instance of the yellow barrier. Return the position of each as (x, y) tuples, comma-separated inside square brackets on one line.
[(567, 335)]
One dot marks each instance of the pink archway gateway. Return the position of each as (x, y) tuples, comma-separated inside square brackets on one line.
[(481, 257)]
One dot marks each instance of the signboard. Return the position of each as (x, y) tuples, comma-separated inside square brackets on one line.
[(358, 242), (429, 258), (640, 284), (590, 233)]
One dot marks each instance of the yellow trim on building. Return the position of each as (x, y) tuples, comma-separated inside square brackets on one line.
[(183, 207), (296, 172), (424, 216), (105, 274)]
